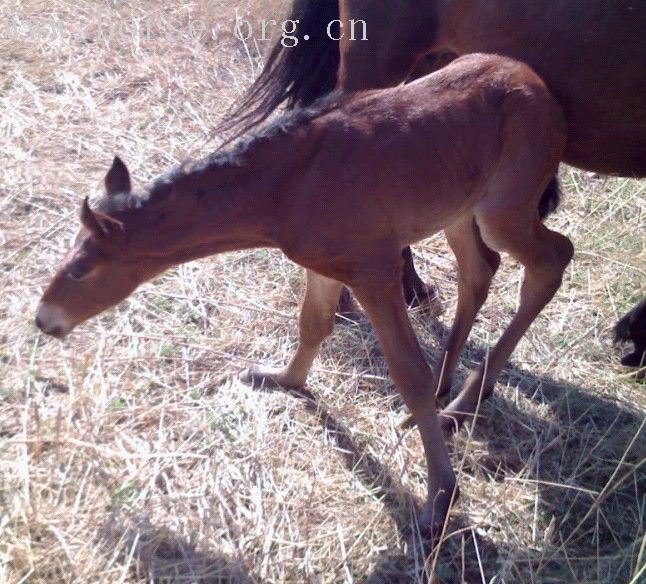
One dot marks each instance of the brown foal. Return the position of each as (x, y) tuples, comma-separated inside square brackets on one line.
[(341, 188), (590, 53)]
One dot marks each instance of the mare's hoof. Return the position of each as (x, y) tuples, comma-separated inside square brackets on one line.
[(444, 390), (634, 359), (451, 422), (418, 296), (427, 297), (407, 423), (347, 311), (262, 376)]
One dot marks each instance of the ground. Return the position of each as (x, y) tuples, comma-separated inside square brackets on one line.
[(132, 453)]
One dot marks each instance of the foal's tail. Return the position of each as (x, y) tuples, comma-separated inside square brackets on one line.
[(550, 199), (296, 75)]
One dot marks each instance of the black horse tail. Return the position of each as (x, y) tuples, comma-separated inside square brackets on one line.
[(296, 75), (550, 199)]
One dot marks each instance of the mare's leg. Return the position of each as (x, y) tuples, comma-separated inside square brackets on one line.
[(416, 292), (544, 254), (477, 265), (384, 304), (316, 322)]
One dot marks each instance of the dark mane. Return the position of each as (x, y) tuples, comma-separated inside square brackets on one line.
[(231, 156), (287, 122)]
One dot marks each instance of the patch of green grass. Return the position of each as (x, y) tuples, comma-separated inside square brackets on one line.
[(168, 350), (227, 424), (122, 496), (6, 393), (118, 404)]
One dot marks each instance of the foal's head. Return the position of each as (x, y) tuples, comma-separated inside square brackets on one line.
[(101, 269)]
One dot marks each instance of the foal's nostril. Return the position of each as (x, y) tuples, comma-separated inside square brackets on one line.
[(56, 332)]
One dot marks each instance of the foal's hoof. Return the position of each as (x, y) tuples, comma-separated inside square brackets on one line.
[(435, 514), (453, 417), (430, 526), (407, 423), (262, 376), (466, 406)]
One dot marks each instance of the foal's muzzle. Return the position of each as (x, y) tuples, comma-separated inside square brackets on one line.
[(52, 321)]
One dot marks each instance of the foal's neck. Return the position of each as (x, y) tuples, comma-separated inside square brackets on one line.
[(226, 202)]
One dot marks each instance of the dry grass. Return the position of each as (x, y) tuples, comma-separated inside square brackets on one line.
[(131, 452)]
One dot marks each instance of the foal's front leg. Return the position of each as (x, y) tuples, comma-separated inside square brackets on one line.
[(384, 304), (316, 322), (416, 292)]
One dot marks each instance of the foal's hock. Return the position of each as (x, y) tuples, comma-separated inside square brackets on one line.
[(341, 188)]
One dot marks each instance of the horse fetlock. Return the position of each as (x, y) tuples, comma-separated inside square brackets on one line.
[(466, 405), (435, 511), (263, 376)]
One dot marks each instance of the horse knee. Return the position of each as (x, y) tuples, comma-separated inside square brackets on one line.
[(558, 257), (493, 259), (476, 283), (563, 248)]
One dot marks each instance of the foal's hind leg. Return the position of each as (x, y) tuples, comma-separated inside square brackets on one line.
[(316, 322), (544, 254), (477, 265)]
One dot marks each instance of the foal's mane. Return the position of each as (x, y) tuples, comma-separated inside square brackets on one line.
[(235, 155)]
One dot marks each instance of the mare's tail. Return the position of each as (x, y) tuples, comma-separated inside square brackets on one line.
[(551, 198), (295, 75)]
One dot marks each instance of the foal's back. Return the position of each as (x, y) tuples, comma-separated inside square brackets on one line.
[(413, 159)]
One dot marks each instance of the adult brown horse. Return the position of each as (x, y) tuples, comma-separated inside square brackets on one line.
[(591, 54), (471, 150)]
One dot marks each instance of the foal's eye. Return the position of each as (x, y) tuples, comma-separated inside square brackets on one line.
[(78, 272)]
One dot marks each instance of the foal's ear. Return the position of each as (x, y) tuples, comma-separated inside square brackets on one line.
[(118, 178), (98, 223)]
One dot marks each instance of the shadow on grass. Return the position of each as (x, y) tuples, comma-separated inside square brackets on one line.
[(583, 459), (163, 557), (403, 509)]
